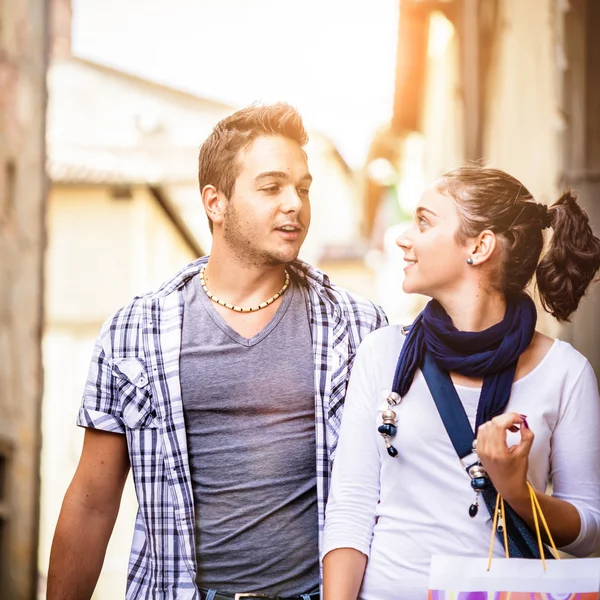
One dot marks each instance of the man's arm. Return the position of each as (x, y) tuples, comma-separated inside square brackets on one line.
[(88, 516)]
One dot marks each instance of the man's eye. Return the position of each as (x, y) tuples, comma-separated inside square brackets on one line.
[(271, 189), (304, 192)]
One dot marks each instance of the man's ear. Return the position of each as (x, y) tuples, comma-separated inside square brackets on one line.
[(213, 204)]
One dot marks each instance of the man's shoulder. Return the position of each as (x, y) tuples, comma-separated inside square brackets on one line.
[(355, 308), (134, 312), (354, 304)]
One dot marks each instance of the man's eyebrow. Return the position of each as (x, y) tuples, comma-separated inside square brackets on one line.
[(279, 175), (421, 209)]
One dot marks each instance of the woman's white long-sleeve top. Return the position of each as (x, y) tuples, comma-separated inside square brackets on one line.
[(400, 511)]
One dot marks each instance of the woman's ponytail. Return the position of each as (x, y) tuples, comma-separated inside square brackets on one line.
[(572, 260)]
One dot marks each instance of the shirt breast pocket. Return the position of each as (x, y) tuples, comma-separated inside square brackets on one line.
[(135, 393)]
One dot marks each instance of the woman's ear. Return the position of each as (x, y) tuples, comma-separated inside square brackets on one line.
[(483, 247)]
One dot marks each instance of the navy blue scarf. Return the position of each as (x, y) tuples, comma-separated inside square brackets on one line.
[(491, 354)]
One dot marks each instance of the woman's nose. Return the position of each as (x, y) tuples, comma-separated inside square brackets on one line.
[(403, 240)]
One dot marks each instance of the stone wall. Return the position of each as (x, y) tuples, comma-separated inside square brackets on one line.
[(23, 63)]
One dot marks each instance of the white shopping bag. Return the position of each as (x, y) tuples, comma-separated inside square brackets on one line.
[(463, 578)]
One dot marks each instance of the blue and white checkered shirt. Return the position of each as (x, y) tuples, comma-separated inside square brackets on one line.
[(133, 388)]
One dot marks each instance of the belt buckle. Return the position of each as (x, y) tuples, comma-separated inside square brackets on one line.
[(242, 595)]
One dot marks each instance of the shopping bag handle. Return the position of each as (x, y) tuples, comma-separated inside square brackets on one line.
[(537, 510)]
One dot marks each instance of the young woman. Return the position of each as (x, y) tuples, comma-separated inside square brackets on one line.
[(400, 494)]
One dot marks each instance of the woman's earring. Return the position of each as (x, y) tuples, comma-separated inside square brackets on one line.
[(469, 261)]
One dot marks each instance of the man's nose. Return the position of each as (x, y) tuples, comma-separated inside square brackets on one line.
[(291, 200)]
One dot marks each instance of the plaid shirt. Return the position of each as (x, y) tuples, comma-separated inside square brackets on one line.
[(133, 388)]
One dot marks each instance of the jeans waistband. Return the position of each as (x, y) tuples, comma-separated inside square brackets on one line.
[(216, 595)]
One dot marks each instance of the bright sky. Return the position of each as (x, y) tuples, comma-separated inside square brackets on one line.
[(333, 59)]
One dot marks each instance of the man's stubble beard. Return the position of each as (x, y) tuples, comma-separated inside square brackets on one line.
[(234, 234)]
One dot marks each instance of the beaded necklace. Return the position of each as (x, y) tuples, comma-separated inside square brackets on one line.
[(241, 308)]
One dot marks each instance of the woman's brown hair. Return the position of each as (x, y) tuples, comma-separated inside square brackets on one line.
[(492, 199)]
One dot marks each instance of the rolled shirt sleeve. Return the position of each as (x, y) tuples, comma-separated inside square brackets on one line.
[(100, 406)]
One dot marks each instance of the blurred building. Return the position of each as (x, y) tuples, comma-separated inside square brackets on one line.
[(513, 82), (23, 61), (124, 214), (335, 242)]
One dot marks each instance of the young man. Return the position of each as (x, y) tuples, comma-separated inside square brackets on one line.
[(223, 390)]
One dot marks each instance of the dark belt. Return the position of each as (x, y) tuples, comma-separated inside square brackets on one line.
[(252, 596)]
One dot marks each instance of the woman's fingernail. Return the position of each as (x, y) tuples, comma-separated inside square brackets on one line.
[(523, 416), (525, 422)]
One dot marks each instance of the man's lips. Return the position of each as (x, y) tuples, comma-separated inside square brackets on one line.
[(289, 227), (289, 232)]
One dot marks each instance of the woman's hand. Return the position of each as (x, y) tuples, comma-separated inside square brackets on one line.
[(506, 467)]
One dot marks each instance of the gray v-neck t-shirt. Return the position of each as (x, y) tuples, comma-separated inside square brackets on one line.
[(249, 407)]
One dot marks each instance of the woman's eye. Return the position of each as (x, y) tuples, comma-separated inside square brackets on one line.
[(303, 192)]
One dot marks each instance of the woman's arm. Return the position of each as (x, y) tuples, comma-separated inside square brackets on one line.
[(343, 570), (562, 517), (354, 491), (575, 461), (573, 511)]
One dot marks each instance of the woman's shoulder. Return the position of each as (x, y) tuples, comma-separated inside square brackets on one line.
[(570, 358), (548, 354), (383, 340), (378, 355)]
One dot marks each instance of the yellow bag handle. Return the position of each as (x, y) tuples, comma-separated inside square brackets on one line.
[(537, 510)]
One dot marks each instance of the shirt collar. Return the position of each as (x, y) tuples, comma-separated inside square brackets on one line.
[(308, 274)]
